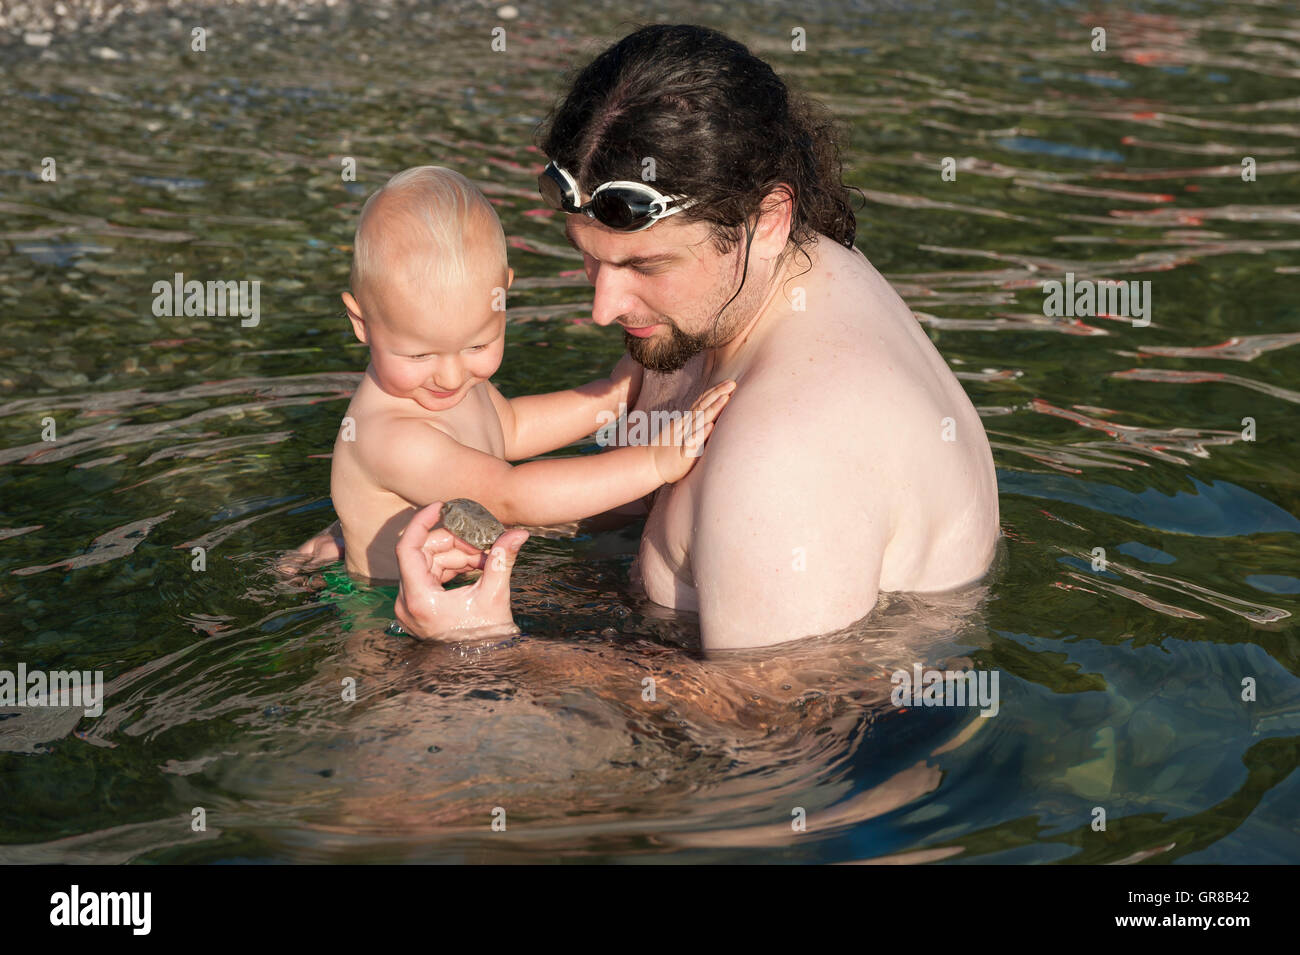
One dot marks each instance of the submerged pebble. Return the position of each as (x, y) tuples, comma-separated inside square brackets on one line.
[(471, 522)]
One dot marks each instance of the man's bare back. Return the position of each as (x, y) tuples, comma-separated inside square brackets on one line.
[(830, 479)]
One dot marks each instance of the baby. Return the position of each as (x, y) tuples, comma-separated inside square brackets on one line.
[(429, 276)]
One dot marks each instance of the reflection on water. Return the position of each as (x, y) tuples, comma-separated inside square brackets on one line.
[(1122, 676)]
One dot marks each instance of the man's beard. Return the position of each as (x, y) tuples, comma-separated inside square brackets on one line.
[(654, 354)]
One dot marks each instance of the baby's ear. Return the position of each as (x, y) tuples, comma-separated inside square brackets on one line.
[(510, 279), (354, 315)]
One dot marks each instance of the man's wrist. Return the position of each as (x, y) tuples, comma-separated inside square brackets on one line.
[(497, 631)]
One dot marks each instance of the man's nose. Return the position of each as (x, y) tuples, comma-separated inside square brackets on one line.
[(612, 298)]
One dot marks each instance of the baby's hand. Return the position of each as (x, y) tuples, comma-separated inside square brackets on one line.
[(677, 448), (627, 375), (325, 548)]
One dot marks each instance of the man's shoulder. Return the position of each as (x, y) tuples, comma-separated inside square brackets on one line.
[(813, 360), (850, 336), (779, 416)]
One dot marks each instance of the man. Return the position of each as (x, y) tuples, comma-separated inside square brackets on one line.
[(849, 461)]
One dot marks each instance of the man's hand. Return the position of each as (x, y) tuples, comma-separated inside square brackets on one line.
[(427, 558), (678, 447)]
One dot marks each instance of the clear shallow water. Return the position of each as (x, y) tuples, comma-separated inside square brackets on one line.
[(1118, 689)]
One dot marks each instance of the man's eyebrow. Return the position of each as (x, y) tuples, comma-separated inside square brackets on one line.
[(633, 260)]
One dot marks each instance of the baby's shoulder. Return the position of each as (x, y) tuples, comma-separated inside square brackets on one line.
[(390, 449), (392, 430)]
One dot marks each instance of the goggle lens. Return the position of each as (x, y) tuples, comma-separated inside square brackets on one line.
[(553, 192), (620, 208)]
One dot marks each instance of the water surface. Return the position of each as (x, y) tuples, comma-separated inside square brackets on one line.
[(1120, 688)]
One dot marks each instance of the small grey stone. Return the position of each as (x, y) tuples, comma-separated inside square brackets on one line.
[(471, 522)]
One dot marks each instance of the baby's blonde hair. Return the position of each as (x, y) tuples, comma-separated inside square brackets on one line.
[(442, 206)]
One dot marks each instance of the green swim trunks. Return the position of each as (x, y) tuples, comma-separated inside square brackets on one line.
[(370, 607), (364, 606)]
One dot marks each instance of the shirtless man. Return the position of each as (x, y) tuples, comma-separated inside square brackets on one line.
[(850, 460)]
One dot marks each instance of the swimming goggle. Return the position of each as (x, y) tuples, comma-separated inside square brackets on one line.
[(621, 205)]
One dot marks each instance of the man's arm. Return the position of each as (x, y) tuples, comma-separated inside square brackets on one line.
[(535, 424), (789, 535)]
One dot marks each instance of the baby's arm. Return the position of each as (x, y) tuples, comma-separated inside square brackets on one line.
[(535, 424), (325, 548), (432, 465)]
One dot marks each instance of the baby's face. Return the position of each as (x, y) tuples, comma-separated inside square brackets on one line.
[(432, 348)]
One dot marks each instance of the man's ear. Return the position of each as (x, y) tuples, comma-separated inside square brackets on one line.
[(354, 315), (776, 217)]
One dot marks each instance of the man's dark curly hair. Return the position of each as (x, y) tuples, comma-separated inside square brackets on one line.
[(722, 127)]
